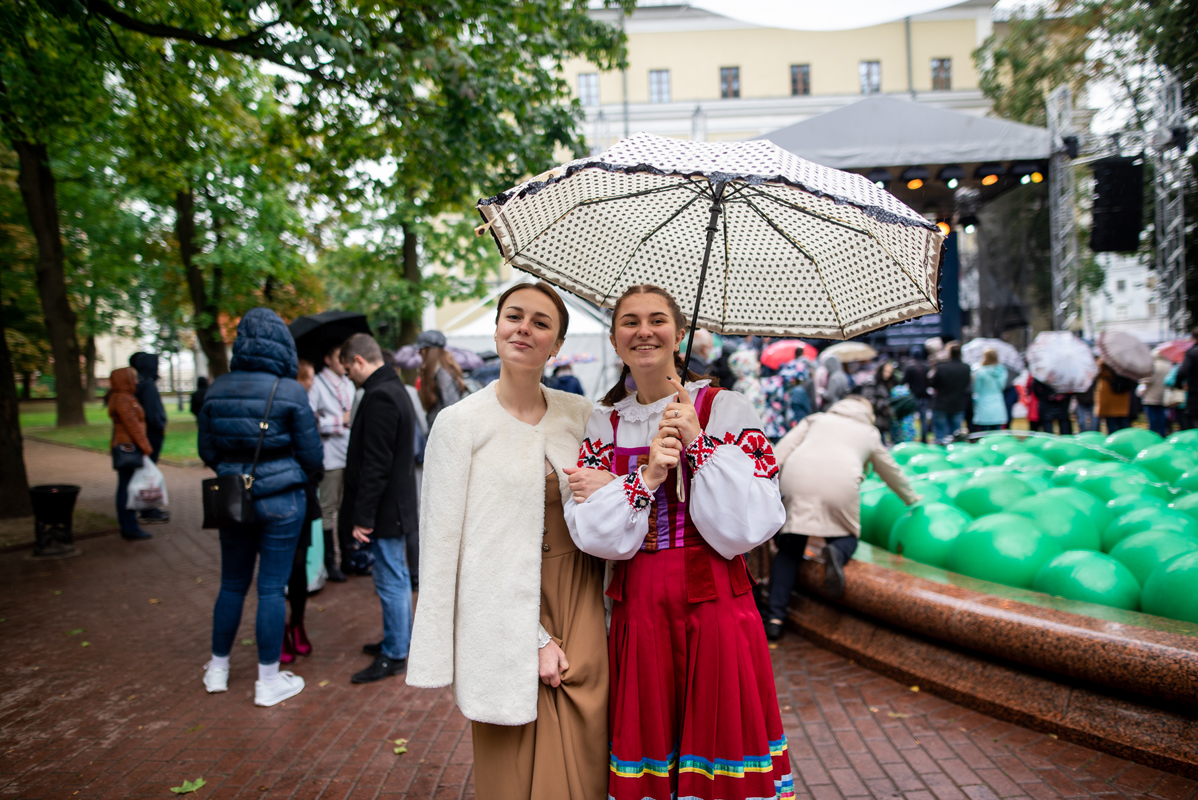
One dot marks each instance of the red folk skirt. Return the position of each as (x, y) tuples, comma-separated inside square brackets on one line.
[(693, 710)]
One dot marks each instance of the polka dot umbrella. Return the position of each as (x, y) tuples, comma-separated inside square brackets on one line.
[(749, 238)]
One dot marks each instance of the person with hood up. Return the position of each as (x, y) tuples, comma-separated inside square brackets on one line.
[(878, 393), (836, 386), (128, 428), (822, 463), (264, 368), (147, 394), (989, 380)]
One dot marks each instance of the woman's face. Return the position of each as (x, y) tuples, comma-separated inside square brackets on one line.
[(526, 333), (887, 371), (645, 336)]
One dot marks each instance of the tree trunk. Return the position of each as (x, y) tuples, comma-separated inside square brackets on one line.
[(89, 359), (14, 484), (41, 202), (412, 323), (27, 386), (207, 314)]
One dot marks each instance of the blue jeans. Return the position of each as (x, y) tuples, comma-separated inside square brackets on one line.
[(1116, 424), (126, 517), (1158, 419), (394, 586), (945, 424), (273, 537), (1086, 421), (785, 571)]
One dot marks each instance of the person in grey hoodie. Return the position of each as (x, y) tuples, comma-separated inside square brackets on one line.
[(838, 383)]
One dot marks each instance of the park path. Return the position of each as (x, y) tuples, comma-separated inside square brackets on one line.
[(100, 695)]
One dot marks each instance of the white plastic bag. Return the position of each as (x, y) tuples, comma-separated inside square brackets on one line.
[(147, 488)]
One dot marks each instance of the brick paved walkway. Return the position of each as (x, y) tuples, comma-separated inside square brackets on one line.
[(100, 696)]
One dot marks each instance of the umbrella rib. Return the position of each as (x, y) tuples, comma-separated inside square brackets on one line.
[(799, 247), (574, 208), (645, 238), (840, 223)]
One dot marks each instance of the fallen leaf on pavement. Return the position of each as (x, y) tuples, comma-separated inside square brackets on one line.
[(75, 632), (85, 644), (323, 683), (896, 715), (914, 688), (154, 601), (188, 786)]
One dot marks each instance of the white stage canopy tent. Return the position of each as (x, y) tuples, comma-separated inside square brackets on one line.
[(818, 15), (588, 333), (881, 131)]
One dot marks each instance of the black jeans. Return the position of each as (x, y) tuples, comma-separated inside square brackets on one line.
[(126, 517), (785, 571)]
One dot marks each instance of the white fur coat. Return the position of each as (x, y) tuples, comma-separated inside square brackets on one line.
[(481, 523)]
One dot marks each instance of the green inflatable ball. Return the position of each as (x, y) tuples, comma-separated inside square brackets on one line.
[(1094, 509), (1107, 487), (1169, 590), (1130, 441), (1189, 481), (1029, 461), (1133, 502), (1003, 548), (930, 491), (905, 451), (926, 532), (1062, 451), (1067, 524), (975, 458), (1187, 504), (1002, 443), (1144, 552), (926, 463), (1091, 438), (1188, 438), (880, 509), (990, 493), (1168, 462), (1149, 519), (1091, 577), (1066, 474)]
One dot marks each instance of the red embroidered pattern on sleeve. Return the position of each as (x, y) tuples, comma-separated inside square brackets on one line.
[(595, 455), (701, 449), (636, 493), (757, 447)]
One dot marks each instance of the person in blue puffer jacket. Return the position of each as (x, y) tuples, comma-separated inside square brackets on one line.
[(291, 452)]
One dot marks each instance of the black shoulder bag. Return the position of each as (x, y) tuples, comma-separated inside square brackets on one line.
[(229, 499)]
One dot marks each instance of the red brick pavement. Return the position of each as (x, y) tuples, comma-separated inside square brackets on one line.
[(126, 715)]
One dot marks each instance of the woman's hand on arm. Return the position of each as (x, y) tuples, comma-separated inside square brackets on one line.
[(585, 481), (552, 663)]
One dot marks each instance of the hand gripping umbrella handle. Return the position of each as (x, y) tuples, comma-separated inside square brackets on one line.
[(717, 205)]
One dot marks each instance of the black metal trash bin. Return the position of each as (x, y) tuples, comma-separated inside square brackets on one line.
[(53, 512)]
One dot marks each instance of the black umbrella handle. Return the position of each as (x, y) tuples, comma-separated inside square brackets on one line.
[(717, 205)]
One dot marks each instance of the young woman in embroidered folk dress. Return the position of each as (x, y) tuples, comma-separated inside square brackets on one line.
[(497, 558), (694, 713)]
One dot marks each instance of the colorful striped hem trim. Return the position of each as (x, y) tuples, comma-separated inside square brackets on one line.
[(708, 767), (645, 766)]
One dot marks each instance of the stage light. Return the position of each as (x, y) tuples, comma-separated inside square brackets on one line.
[(1036, 177), (951, 174), (970, 228), (1025, 180), (989, 180), (952, 183), (944, 228), (879, 177), (969, 222), (988, 173), (914, 184)]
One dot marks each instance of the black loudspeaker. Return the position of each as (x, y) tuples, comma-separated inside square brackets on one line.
[(1118, 204)]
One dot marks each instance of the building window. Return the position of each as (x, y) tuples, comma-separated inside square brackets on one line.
[(800, 79), (1120, 312), (729, 82), (1151, 281), (1120, 286), (1152, 309), (659, 86), (870, 73), (942, 74), (588, 88)]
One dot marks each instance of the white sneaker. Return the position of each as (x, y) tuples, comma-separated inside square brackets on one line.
[(286, 685), (216, 679)]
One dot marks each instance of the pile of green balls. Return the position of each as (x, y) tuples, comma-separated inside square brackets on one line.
[(1110, 520)]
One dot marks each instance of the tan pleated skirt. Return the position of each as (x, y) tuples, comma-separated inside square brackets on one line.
[(563, 755)]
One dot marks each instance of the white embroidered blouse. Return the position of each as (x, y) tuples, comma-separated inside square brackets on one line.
[(733, 498)]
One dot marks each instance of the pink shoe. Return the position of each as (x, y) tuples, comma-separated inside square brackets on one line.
[(288, 654), (303, 647)]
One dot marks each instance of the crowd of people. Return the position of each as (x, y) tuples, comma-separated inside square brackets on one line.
[(580, 566)]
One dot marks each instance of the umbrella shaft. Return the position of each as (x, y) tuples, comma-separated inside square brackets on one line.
[(717, 205)]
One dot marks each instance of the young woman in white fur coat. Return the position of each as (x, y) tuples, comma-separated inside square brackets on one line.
[(694, 712), (505, 595)]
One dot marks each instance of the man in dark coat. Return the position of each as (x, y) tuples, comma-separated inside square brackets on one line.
[(915, 375), (1187, 376), (147, 395), (379, 499), (950, 381)]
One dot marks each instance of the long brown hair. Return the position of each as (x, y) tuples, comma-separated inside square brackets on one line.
[(434, 359), (620, 390)]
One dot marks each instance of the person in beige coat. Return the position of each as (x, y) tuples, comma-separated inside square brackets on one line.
[(823, 463), (1152, 394)]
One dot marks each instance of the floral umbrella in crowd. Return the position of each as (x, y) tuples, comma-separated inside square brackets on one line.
[(749, 238)]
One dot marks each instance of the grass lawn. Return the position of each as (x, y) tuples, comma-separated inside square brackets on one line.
[(37, 419)]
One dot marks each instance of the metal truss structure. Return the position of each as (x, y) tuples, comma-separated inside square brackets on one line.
[(1062, 207), (1169, 162)]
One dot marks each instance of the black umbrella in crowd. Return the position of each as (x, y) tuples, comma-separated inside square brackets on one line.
[(314, 334)]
